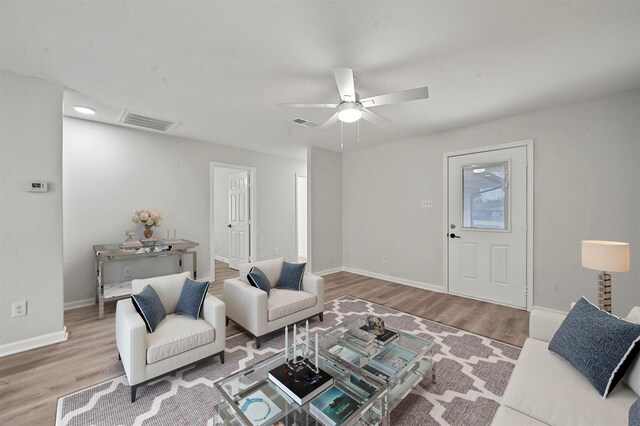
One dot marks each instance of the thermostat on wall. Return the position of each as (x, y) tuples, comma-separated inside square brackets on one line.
[(37, 186)]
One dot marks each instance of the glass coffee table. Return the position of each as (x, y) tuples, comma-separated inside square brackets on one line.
[(397, 366), (377, 377), (250, 398)]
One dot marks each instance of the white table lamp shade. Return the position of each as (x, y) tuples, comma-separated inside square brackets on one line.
[(610, 256)]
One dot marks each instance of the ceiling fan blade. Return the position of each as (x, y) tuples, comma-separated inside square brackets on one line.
[(308, 105), (376, 118), (330, 122), (396, 97), (346, 86)]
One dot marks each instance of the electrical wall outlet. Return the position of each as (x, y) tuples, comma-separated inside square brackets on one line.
[(19, 309), (385, 259), (128, 272), (275, 251), (427, 204)]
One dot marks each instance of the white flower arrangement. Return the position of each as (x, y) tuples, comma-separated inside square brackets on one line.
[(147, 217)]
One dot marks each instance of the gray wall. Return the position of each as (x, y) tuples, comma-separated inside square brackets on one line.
[(30, 223), (587, 186), (325, 208), (111, 171)]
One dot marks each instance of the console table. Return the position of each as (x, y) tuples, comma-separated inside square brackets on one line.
[(107, 253)]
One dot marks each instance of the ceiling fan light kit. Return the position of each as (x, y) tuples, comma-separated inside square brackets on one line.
[(349, 112), (351, 108)]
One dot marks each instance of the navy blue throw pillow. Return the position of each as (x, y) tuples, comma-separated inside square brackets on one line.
[(634, 414), (599, 345), (192, 298), (258, 279), (150, 307), (291, 276)]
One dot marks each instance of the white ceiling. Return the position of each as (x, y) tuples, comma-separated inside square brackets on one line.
[(220, 67)]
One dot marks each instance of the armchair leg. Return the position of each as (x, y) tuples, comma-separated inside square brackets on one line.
[(227, 321), (321, 316), (119, 356), (258, 342), (221, 357), (133, 393)]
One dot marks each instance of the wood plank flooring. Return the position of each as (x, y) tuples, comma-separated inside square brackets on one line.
[(32, 381)]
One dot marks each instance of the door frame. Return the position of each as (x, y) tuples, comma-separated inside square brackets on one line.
[(528, 144), (297, 175), (253, 224)]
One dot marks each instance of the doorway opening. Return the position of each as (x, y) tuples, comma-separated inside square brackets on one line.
[(233, 218), (488, 221), (301, 218)]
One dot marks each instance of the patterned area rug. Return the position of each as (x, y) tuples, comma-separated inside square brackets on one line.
[(472, 373)]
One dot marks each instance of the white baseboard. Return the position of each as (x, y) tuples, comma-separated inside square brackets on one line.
[(555, 311), (79, 303), (221, 259), (327, 271), (418, 284), (34, 342)]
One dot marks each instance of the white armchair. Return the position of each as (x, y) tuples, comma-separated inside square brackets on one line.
[(250, 307), (177, 341)]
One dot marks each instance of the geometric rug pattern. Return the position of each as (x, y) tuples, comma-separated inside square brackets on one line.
[(471, 373)]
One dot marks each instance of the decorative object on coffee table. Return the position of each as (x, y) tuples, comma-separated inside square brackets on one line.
[(605, 256), (147, 218)]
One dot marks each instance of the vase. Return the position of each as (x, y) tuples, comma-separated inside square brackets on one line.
[(148, 232)]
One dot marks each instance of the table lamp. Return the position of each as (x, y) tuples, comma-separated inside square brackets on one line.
[(605, 256)]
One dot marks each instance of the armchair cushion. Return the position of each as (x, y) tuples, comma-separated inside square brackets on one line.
[(599, 345), (291, 276), (150, 307), (192, 298), (258, 279), (282, 303), (177, 334)]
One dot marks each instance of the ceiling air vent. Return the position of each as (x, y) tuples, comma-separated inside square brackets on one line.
[(152, 123), (303, 122)]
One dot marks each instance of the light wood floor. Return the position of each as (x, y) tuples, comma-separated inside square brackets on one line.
[(32, 381)]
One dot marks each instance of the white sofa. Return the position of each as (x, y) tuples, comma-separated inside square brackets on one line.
[(260, 314), (544, 389), (177, 341)]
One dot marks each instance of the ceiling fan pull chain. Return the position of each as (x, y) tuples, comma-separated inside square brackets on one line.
[(341, 135)]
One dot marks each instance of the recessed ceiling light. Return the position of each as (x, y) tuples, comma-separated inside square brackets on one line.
[(84, 110), (478, 170)]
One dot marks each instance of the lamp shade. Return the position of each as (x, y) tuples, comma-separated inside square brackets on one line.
[(610, 256)]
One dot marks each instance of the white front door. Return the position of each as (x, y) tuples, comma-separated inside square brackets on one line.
[(239, 224), (487, 233)]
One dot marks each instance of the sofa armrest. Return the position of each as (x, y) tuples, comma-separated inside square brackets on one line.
[(246, 305), (213, 312), (131, 335), (315, 285), (544, 324)]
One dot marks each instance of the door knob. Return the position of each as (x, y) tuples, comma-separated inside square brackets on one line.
[(229, 226), (452, 235)]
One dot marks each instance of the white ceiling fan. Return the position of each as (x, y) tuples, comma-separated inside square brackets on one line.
[(352, 108)]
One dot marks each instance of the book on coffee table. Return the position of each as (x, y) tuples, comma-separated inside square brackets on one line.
[(392, 359), (387, 336), (258, 408), (305, 388), (333, 407)]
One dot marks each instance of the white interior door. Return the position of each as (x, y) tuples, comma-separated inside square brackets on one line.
[(487, 244), (239, 223)]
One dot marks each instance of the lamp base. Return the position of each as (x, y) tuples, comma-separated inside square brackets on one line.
[(604, 291)]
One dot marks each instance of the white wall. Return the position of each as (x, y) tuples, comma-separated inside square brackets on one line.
[(301, 213), (221, 210), (325, 208), (111, 171), (587, 186), (30, 223)]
